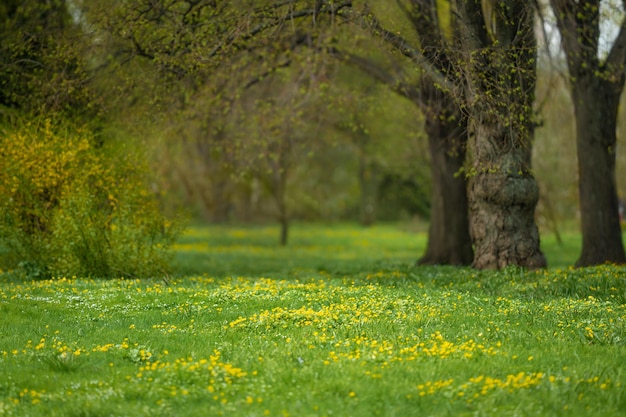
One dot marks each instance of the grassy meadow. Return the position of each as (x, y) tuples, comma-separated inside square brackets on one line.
[(338, 323)]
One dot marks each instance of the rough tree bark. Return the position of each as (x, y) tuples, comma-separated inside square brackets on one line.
[(503, 196), (484, 59), (499, 89)]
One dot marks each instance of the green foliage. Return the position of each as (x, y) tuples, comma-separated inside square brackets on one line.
[(43, 68), (72, 207)]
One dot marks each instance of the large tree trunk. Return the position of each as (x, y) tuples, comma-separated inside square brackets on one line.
[(503, 195), (449, 241), (500, 93), (596, 88), (596, 103)]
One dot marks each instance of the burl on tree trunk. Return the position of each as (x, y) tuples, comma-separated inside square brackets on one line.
[(503, 195), (499, 90)]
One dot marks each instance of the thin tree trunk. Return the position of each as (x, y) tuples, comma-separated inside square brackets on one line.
[(449, 241), (284, 230), (368, 183), (279, 178), (281, 204), (221, 199), (596, 104)]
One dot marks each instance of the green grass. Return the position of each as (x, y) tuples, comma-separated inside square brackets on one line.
[(340, 249), (339, 323)]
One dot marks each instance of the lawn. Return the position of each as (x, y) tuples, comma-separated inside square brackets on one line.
[(339, 323)]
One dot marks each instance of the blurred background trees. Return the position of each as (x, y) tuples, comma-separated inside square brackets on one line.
[(75, 195), (42, 66), (596, 78), (261, 111)]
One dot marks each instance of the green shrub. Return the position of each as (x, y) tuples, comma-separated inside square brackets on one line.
[(69, 206)]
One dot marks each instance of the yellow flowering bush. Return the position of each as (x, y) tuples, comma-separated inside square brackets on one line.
[(70, 206)]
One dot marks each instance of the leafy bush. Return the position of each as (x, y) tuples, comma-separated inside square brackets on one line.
[(71, 206)]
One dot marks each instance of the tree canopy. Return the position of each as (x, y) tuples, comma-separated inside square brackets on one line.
[(245, 105)]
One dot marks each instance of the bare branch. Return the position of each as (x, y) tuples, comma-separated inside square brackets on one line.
[(329, 8)]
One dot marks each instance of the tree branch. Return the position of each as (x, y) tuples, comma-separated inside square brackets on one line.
[(424, 18), (329, 8), (400, 44), (580, 32), (376, 71), (265, 74), (617, 55)]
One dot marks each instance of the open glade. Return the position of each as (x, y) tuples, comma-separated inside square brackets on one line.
[(339, 323)]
